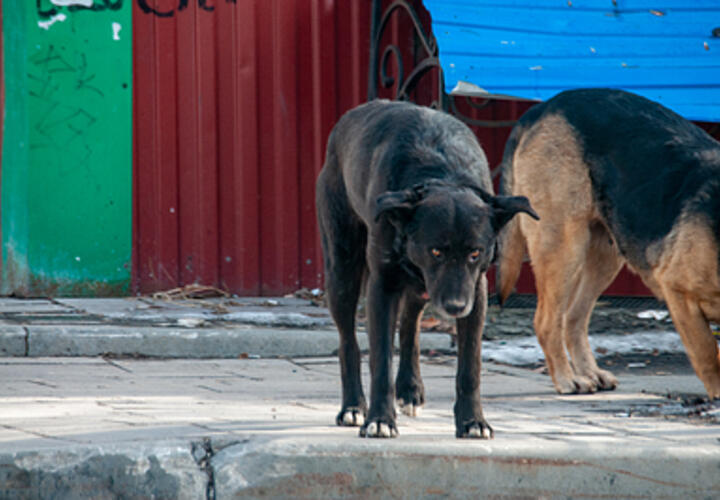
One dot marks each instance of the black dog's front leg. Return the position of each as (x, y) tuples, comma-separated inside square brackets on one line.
[(382, 304), (409, 388), (469, 420)]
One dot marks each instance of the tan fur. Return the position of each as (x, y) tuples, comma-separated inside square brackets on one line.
[(513, 252), (687, 278), (574, 258)]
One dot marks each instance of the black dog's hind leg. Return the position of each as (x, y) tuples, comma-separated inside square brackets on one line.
[(469, 420), (382, 305), (409, 388)]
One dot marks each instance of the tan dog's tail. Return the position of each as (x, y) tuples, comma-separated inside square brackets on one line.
[(511, 242), (509, 264)]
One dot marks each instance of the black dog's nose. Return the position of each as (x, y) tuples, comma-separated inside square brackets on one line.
[(454, 307)]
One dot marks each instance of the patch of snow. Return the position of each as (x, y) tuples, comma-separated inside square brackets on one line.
[(527, 351), (191, 322), (653, 314)]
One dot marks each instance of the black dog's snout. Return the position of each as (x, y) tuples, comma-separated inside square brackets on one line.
[(454, 307)]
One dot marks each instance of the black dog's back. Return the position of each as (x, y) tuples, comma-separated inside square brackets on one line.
[(401, 144)]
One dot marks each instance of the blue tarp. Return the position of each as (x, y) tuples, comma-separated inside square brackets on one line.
[(666, 50)]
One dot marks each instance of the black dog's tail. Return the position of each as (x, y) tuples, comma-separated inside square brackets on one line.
[(511, 246)]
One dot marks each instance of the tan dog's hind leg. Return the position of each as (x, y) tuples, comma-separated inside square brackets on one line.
[(549, 169), (602, 263), (557, 258), (698, 339), (686, 273)]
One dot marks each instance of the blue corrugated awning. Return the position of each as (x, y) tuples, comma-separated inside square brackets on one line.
[(666, 50)]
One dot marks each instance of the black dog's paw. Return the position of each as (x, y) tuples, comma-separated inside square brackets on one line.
[(410, 397), (379, 428), (474, 429), (352, 416)]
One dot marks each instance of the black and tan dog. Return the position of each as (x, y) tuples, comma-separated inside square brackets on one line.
[(615, 178), (404, 204)]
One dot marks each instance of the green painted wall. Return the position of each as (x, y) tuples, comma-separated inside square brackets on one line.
[(67, 148)]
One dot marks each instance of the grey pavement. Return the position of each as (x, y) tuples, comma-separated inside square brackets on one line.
[(147, 413)]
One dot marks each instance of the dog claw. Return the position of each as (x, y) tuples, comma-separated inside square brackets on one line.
[(353, 419), (409, 409), (477, 430), (588, 383), (350, 418), (606, 381), (379, 430), (576, 385)]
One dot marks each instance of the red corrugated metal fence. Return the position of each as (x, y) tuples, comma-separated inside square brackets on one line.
[(234, 100), (232, 109)]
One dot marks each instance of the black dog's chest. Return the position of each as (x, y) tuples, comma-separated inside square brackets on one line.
[(412, 272)]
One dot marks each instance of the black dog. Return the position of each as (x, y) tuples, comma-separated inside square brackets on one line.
[(404, 204)]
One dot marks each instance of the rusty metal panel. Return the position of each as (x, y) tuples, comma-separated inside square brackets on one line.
[(234, 100)]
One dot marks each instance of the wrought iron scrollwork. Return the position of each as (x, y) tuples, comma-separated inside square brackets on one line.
[(425, 40)]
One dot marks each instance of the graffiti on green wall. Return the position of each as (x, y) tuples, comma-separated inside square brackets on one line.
[(67, 160), (147, 8)]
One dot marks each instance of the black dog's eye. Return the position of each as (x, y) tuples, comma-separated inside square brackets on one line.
[(474, 255), (436, 253)]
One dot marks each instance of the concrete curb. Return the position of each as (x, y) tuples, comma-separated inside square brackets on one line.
[(341, 468), (174, 342), (338, 467), (13, 341)]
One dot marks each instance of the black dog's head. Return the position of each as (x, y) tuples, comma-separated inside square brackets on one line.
[(449, 234)]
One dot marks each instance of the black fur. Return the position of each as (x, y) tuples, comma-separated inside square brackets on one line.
[(405, 201)]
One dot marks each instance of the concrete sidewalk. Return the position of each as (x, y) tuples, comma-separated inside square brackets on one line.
[(94, 428), (106, 427)]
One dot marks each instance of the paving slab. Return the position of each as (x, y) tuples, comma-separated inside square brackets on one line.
[(264, 428)]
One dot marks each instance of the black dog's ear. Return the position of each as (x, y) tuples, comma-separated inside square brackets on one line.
[(396, 205), (505, 208)]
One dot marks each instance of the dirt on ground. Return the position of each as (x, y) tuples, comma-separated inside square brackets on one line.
[(511, 322)]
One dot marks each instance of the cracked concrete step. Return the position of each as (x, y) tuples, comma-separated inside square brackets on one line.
[(335, 467), (136, 470)]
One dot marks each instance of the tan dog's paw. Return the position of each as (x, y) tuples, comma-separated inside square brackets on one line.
[(604, 380), (577, 384)]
